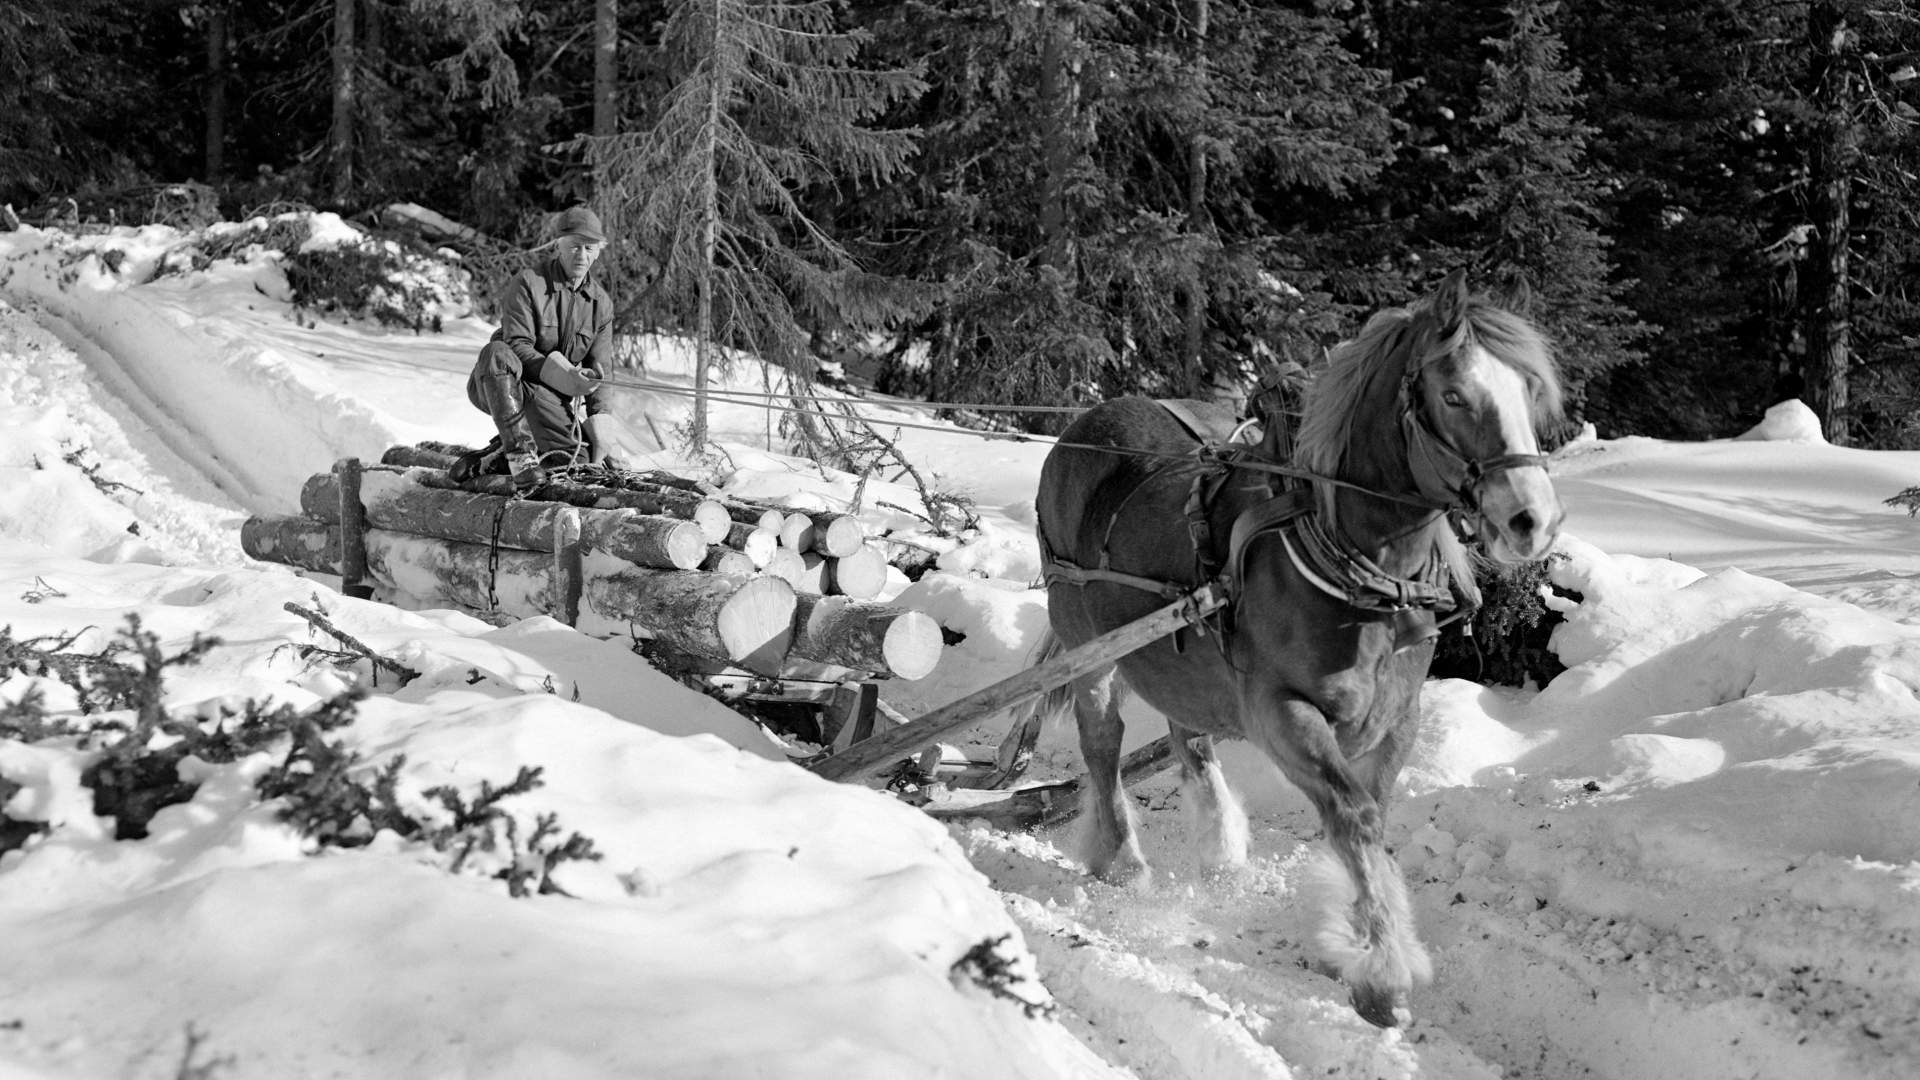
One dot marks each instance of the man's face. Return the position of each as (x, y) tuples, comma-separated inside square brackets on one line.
[(577, 255)]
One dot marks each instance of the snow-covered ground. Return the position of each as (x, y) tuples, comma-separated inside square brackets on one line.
[(1694, 854)]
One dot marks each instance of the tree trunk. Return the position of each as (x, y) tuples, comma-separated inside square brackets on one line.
[(709, 210), (340, 138), (216, 96), (1057, 93), (1835, 153), (606, 67), (1195, 314)]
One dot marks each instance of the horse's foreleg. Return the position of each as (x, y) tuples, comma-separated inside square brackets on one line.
[(1366, 931), (1215, 819), (1108, 843)]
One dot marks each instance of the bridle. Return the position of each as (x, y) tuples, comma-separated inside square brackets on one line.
[(1440, 471)]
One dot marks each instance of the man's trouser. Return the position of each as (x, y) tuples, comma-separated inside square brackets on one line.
[(523, 410)]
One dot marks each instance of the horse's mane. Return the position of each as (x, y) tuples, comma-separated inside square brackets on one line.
[(1362, 377)]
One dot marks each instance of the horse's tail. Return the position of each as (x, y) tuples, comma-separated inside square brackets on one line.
[(1057, 702)]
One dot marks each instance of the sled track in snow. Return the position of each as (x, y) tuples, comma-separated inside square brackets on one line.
[(1207, 978), (169, 444)]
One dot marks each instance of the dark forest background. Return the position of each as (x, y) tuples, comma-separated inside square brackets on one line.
[(1713, 202)]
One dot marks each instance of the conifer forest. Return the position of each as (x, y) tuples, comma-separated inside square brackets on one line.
[(1713, 204)]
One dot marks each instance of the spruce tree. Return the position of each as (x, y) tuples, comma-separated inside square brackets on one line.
[(1535, 199), (767, 102)]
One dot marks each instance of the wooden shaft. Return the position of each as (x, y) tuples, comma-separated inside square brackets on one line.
[(865, 757), (353, 530)]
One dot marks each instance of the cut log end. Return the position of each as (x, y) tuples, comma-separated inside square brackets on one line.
[(756, 623), (861, 575), (912, 645)]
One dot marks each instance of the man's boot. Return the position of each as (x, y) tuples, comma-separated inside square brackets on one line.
[(508, 409)]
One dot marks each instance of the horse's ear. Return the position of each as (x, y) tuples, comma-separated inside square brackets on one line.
[(1449, 300), (1515, 294)]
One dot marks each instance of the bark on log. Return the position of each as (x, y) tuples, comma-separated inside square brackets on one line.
[(320, 497), (662, 478), (861, 575), (707, 513), (878, 638), (754, 542), (663, 543), (724, 560), (758, 516), (417, 456), (399, 502), (744, 621), (294, 540), (834, 534), (405, 502), (474, 576)]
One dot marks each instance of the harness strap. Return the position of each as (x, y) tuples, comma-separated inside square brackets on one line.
[(1259, 519), (1058, 571)]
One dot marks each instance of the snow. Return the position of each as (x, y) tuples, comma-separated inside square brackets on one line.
[(1690, 855)]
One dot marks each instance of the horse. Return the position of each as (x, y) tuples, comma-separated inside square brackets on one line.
[(1337, 566)]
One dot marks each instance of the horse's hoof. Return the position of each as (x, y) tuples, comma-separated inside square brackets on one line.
[(1126, 872), (1382, 1008)]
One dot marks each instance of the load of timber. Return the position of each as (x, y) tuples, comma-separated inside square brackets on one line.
[(651, 555)]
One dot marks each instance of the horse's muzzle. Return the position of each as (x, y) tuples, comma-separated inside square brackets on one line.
[(1520, 514)]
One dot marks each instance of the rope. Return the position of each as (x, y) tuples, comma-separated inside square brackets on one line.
[(960, 406), (1200, 453)]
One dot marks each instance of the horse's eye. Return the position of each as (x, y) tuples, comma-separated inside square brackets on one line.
[(1454, 399)]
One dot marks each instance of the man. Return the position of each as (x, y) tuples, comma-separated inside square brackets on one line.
[(545, 362)]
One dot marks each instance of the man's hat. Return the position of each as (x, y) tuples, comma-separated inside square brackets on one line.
[(581, 222)]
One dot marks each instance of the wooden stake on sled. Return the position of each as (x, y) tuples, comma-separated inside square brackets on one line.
[(863, 759)]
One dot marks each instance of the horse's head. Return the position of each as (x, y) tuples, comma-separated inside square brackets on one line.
[(1478, 381)]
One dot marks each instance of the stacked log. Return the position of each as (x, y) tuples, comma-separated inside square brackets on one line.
[(656, 556), (850, 633)]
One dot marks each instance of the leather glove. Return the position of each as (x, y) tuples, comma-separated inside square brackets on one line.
[(560, 374)]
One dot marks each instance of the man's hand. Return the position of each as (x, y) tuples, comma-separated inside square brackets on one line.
[(560, 374)]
